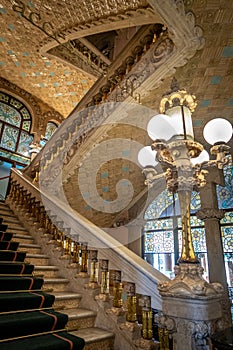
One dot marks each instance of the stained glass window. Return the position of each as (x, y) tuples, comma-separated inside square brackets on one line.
[(50, 129), (162, 231), (15, 128)]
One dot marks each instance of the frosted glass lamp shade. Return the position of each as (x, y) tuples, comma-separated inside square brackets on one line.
[(160, 127), (147, 157), (181, 127), (203, 157), (217, 130)]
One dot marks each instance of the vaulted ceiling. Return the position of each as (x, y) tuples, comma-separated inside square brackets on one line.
[(41, 47)]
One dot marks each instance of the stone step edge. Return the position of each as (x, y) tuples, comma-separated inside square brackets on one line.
[(78, 313), (93, 334)]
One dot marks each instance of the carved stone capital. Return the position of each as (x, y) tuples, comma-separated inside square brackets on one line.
[(210, 213), (189, 282)]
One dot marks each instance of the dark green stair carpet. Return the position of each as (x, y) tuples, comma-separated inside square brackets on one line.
[(9, 255), (6, 236), (3, 227), (45, 321), (25, 300), (4, 245), (20, 283), (16, 268), (55, 341), (25, 311)]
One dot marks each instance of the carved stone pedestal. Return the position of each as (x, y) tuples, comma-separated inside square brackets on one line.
[(191, 308)]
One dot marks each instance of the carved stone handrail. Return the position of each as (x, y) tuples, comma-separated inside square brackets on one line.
[(120, 257)]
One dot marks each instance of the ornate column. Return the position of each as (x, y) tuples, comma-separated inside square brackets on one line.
[(212, 215)]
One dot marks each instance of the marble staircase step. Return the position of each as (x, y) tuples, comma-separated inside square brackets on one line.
[(24, 239), (66, 300), (31, 248), (47, 271), (16, 229), (56, 284), (37, 259), (79, 318), (96, 338)]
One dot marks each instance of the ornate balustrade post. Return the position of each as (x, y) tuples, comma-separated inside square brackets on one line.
[(191, 307), (93, 268)]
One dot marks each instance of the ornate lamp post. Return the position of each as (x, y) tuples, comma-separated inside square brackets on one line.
[(183, 160), (191, 305)]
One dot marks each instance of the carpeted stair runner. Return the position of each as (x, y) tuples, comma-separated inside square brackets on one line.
[(25, 300), (27, 319), (16, 268)]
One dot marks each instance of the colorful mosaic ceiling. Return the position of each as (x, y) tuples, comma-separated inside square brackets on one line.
[(26, 26)]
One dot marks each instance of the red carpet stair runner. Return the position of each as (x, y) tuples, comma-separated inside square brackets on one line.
[(27, 317)]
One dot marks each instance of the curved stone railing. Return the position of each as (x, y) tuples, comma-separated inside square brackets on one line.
[(81, 230)]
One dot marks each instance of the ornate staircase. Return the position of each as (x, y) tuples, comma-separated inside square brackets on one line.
[(80, 320), (47, 231)]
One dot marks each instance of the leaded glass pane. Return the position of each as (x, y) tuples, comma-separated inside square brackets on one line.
[(155, 209), (15, 157), (194, 221), (225, 194), (198, 237), (24, 141), (25, 113), (228, 218), (159, 242), (227, 237), (9, 138), (9, 115), (4, 97), (195, 201), (50, 129), (26, 125), (159, 224), (199, 241), (15, 103)]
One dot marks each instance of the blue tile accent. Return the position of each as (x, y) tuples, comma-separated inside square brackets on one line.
[(86, 195), (2, 10), (84, 81), (11, 26), (227, 51), (126, 152), (69, 83), (47, 64), (2, 63), (38, 74), (26, 54), (56, 84), (215, 80), (32, 64), (205, 103), (125, 169), (17, 63), (87, 207), (230, 102), (2, 40), (105, 189), (10, 52), (104, 175), (23, 74), (66, 72), (52, 74), (42, 84), (30, 4), (72, 93)]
